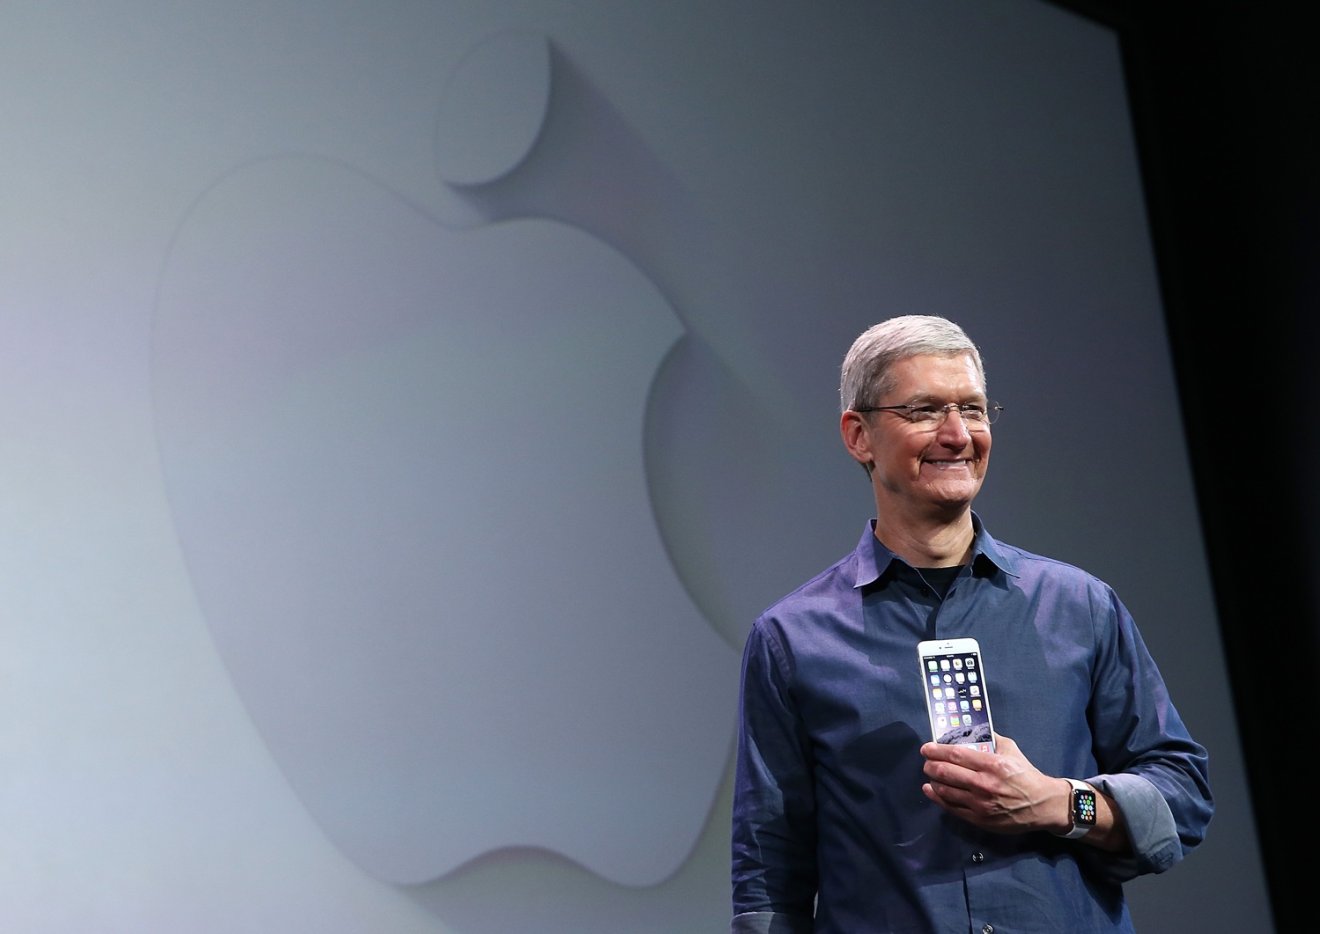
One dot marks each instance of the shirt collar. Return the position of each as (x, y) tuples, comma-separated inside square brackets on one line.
[(873, 558)]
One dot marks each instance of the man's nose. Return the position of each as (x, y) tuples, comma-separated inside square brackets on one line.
[(954, 428)]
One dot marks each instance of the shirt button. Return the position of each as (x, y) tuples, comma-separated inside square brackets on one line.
[(987, 929), (979, 858)]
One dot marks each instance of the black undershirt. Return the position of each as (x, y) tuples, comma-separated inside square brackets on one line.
[(939, 579)]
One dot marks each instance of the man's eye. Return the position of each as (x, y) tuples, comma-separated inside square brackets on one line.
[(926, 413), (974, 412)]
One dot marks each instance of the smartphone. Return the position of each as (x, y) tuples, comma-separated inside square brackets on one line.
[(953, 678)]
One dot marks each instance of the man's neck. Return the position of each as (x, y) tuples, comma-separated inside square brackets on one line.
[(929, 544)]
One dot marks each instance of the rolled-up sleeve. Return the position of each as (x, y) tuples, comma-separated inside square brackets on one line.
[(1157, 775)]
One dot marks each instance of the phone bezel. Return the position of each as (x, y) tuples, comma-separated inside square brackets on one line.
[(962, 645)]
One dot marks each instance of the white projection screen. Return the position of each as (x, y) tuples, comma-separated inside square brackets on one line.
[(407, 407)]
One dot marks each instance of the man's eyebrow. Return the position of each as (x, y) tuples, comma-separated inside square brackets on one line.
[(929, 398)]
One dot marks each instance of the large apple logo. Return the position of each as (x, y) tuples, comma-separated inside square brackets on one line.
[(405, 464)]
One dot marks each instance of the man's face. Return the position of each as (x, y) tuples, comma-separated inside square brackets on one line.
[(921, 470)]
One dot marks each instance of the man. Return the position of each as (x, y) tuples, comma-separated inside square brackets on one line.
[(847, 818)]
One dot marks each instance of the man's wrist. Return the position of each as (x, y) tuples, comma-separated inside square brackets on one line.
[(1081, 812)]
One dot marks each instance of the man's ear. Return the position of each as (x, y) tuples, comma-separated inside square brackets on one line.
[(856, 437)]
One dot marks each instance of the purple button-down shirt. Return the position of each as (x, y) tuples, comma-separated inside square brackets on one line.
[(831, 833)]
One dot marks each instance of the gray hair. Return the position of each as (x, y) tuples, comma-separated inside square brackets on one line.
[(865, 376)]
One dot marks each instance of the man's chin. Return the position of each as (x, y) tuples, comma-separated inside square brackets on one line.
[(954, 496)]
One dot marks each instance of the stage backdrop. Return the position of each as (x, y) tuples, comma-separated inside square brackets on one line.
[(405, 409)]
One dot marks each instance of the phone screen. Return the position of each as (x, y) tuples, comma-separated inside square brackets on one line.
[(956, 695)]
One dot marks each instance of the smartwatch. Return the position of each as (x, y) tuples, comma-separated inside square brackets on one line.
[(1082, 810)]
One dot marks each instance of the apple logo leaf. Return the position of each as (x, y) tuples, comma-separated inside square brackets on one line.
[(493, 108)]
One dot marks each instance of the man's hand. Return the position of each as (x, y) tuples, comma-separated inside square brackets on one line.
[(997, 791)]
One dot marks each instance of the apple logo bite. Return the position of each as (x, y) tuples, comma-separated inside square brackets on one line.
[(405, 464)]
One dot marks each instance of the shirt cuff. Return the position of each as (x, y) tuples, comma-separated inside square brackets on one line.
[(1151, 829), (770, 922)]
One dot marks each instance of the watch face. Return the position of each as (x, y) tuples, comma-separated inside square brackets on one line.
[(1083, 806)]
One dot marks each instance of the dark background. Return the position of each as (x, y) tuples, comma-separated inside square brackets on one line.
[(1224, 101)]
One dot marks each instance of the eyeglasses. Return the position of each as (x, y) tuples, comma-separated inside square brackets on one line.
[(975, 417)]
